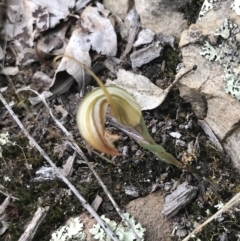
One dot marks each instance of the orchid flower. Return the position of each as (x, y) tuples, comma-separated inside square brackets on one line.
[(91, 116), (124, 108)]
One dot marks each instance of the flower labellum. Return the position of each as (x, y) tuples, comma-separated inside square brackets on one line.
[(91, 116)]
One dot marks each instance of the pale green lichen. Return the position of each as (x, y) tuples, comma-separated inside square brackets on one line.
[(210, 53), (206, 7), (227, 29), (209, 4), (226, 54), (73, 231), (123, 233), (236, 6)]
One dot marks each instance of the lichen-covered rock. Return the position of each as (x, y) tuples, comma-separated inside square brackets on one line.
[(213, 45)]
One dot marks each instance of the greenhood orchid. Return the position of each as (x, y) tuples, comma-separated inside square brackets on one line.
[(124, 108), (91, 116)]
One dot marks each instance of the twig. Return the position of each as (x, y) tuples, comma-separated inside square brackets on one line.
[(4, 205), (74, 145), (34, 224), (12, 85), (84, 203), (7, 194), (226, 207), (179, 77), (132, 35), (133, 31)]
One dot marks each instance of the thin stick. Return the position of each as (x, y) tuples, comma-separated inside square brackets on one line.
[(9, 195), (226, 207), (32, 227), (180, 77), (75, 146), (132, 35), (84, 203)]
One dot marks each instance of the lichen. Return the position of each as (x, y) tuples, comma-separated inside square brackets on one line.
[(209, 4), (206, 7), (73, 230), (227, 55), (123, 233), (236, 6)]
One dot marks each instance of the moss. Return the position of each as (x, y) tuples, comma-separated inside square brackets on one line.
[(14, 232), (172, 59)]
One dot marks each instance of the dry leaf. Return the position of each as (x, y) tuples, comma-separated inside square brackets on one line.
[(145, 36), (148, 95), (68, 166), (96, 202), (38, 99), (131, 21), (53, 43), (176, 135), (25, 55), (69, 69), (102, 36), (81, 4), (26, 19), (60, 109), (41, 79), (146, 55)]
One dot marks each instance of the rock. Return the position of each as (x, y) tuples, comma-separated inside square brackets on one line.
[(147, 211), (205, 88), (120, 7), (162, 16)]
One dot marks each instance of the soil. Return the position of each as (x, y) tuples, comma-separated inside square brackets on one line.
[(138, 168)]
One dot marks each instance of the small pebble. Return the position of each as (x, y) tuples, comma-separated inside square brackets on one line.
[(181, 233), (138, 153), (131, 191), (167, 186), (125, 150)]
